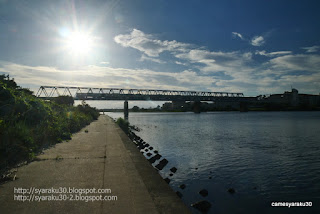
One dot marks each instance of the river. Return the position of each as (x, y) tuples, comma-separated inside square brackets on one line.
[(264, 156)]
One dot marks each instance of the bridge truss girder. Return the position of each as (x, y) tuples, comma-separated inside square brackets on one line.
[(87, 93)]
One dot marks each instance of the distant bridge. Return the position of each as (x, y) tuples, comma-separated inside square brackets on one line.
[(86, 93)]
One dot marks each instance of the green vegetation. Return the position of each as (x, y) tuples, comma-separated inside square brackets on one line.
[(28, 124), (123, 124), (138, 109), (64, 100)]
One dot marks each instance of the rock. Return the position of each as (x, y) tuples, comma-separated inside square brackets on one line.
[(150, 147), (155, 151), (146, 150), (149, 154), (154, 158), (167, 180), (182, 186), (202, 206), (162, 164), (147, 145), (140, 147), (179, 194), (231, 190), (173, 169), (203, 192)]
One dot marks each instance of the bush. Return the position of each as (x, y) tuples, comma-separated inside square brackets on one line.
[(64, 100), (28, 124), (123, 124)]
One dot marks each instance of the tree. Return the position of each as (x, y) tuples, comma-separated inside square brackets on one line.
[(135, 108), (64, 100)]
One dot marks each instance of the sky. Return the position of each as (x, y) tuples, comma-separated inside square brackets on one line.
[(248, 46)]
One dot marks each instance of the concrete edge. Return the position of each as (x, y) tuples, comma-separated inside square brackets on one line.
[(165, 199)]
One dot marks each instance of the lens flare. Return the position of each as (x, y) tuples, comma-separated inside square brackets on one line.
[(79, 43)]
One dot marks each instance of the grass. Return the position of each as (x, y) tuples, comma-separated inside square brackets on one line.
[(123, 124)]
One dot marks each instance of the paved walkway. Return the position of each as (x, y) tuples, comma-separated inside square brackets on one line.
[(105, 158)]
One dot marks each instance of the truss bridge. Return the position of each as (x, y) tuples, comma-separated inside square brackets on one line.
[(177, 97)]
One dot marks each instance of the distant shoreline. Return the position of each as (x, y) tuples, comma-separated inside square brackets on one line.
[(249, 110)]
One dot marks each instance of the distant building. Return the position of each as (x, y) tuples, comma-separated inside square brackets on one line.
[(294, 99)]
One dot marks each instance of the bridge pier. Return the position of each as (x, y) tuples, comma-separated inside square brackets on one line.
[(197, 107), (126, 110), (243, 106)]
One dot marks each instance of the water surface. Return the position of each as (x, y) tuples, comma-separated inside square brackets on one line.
[(264, 156)]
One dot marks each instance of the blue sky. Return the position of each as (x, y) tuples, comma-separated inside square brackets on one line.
[(254, 47)]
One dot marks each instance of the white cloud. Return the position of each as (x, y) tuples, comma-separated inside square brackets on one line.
[(257, 41), (311, 49), (146, 58), (98, 76), (104, 63), (273, 54), (181, 63), (147, 44), (233, 71), (235, 34), (211, 61), (229, 62), (238, 75), (298, 62), (189, 76)]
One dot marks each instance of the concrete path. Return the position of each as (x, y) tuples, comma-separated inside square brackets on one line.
[(102, 158)]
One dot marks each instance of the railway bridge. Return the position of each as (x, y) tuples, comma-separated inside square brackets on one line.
[(88, 93)]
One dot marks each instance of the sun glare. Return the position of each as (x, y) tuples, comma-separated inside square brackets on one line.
[(78, 43)]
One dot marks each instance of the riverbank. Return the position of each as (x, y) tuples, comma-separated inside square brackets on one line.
[(28, 124), (100, 156)]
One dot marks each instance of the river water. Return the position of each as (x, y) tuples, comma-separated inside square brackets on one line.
[(264, 156)]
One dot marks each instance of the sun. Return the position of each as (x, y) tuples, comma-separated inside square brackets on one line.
[(78, 43)]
